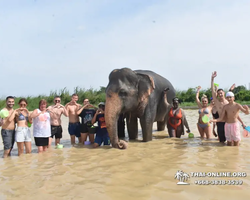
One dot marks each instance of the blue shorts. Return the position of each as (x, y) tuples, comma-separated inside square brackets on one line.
[(102, 139), (74, 129)]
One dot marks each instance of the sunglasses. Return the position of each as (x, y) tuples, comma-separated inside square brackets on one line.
[(57, 101)]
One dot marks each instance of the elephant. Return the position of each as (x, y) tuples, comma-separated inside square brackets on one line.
[(137, 94)]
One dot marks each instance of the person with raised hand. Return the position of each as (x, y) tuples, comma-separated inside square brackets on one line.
[(229, 114), (204, 113), (219, 102)]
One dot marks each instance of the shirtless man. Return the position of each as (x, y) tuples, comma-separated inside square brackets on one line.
[(74, 123), (8, 127), (230, 113), (55, 120), (219, 104)]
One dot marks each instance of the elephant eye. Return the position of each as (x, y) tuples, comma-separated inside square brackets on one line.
[(123, 93)]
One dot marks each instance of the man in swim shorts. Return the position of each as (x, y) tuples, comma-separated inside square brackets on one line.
[(8, 127), (55, 120), (230, 113), (219, 103), (74, 124)]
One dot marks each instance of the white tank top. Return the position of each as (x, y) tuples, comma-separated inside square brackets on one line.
[(41, 125)]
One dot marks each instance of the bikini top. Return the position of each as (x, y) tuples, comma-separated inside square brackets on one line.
[(205, 111), (21, 117), (176, 115), (215, 115)]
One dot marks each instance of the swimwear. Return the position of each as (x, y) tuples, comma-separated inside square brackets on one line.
[(221, 131), (56, 131), (203, 126), (74, 129), (232, 132), (205, 111), (21, 117), (177, 118), (215, 115), (8, 137)]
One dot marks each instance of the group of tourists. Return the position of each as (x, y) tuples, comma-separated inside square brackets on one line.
[(225, 112), (46, 121)]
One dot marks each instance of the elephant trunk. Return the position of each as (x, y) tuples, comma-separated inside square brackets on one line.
[(113, 108)]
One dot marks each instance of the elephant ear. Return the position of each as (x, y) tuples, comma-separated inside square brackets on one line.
[(146, 86)]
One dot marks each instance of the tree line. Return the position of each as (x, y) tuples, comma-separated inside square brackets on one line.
[(241, 94), (96, 96)]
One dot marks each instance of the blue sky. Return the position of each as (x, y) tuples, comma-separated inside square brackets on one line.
[(48, 45)]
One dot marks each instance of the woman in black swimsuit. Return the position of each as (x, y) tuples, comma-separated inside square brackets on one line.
[(215, 116)]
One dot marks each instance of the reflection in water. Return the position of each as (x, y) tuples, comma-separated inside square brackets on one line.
[(143, 171)]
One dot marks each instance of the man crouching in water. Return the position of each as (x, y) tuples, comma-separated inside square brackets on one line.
[(56, 112), (231, 113), (74, 123), (8, 128)]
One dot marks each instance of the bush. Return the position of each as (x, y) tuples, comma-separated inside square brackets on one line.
[(94, 96)]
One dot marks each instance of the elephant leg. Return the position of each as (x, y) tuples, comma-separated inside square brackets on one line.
[(132, 126), (147, 127), (161, 126), (121, 127)]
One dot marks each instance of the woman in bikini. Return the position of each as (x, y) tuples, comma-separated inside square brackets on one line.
[(176, 120), (22, 134), (204, 110)]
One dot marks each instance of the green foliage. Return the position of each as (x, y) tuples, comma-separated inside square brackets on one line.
[(94, 96), (242, 95)]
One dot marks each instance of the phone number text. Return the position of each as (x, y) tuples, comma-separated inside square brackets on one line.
[(218, 182)]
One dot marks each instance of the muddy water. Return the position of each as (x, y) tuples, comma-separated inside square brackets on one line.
[(143, 171)]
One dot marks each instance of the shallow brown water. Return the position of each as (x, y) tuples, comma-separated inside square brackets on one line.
[(143, 171)]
